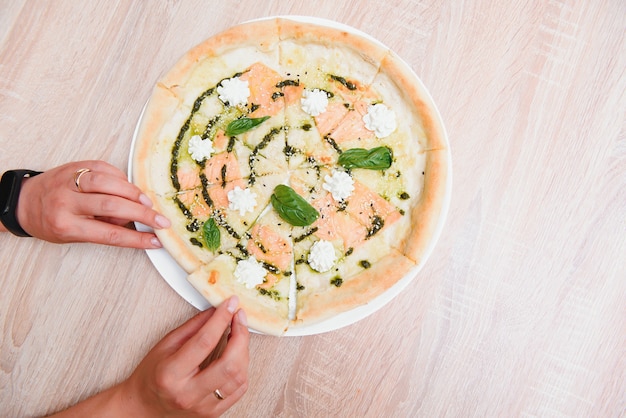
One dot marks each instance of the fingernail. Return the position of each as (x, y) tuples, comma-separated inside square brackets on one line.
[(233, 302), (155, 242), (145, 200), (242, 318), (162, 221)]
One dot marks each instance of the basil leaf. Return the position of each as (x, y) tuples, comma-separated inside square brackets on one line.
[(373, 159), (239, 126), (292, 207), (211, 234)]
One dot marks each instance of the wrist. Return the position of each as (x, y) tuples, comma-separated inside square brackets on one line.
[(25, 200), (130, 397), (10, 190)]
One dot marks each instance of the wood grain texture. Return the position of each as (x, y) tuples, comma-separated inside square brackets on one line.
[(521, 309)]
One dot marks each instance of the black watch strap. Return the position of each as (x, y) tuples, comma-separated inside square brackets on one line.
[(10, 187)]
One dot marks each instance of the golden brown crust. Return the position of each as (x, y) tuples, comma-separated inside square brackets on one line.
[(151, 174), (261, 35), (301, 32), (426, 216), (416, 94)]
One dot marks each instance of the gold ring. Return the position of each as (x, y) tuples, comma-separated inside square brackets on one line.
[(218, 394), (77, 175)]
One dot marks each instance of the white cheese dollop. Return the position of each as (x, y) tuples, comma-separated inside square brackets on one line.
[(314, 101), (241, 200), (380, 119), (322, 256), (340, 185), (199, 148), (234, 91), (250, 272)]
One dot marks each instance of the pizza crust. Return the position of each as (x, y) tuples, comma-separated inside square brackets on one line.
[(427, 214)]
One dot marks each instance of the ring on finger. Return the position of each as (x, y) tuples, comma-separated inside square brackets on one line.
[(77, 175), (218, 394)]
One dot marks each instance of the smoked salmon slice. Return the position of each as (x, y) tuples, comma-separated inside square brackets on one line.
[(262, 82), (222, 168)]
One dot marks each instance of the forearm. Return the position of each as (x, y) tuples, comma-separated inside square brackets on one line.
[(104, 404)]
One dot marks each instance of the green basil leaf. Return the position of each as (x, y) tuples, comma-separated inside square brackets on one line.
[(239, 126), (211, 234), (292, 207), (378, 158)]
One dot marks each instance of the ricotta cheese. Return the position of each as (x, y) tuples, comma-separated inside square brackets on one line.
[(380, 119), (322, 256), (234, 91), (241, 200), (199, 148), (340, 185), (250, 272), (314, 101)]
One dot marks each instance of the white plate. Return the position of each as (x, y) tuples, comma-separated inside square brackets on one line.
[(176, 277)]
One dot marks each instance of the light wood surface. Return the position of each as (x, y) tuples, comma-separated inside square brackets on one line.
[(521, 309)]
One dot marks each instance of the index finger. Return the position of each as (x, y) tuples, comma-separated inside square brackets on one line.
[(100, 232), (200, 345)]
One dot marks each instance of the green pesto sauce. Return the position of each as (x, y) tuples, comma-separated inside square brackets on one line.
[(377, 225), (195, 242), (347, 84), (194, 226), (305, 235), (284, 83), (336, 281), (274, 294), (333, 144), (270, 267)]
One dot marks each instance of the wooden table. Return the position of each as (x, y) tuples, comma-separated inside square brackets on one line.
[(520, 310)]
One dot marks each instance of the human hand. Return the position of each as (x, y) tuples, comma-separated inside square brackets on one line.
[(173, 379), (170, 380), (52, 208)]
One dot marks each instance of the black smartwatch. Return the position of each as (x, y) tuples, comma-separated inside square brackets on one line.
[(10, 187)]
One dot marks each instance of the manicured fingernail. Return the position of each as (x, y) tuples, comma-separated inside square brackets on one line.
[(162, 221), (155, 242), (233, 302), (242, 318), (145, 200)]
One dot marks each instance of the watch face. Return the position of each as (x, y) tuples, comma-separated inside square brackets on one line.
[(6, 189)]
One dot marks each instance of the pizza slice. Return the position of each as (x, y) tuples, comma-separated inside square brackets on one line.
[(326, 72), (259, 269), (354, 280), (405, 160), (193, 161), (339, 257)]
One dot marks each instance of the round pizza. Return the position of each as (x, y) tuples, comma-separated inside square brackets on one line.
[(303, 166)]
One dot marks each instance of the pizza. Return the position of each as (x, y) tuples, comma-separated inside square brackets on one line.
[(303, 167)]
